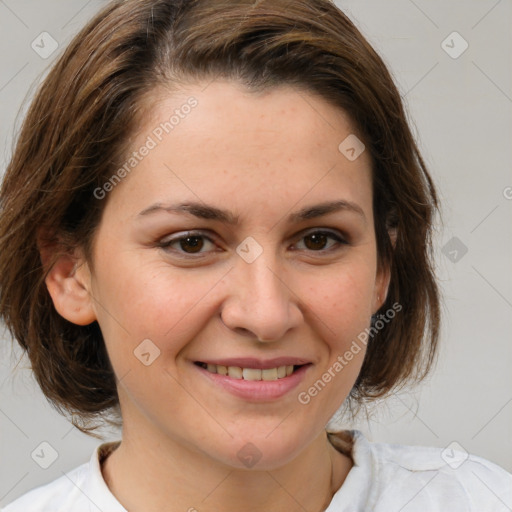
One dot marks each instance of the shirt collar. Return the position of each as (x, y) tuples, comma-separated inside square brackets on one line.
[(354, 493), (104, 500)]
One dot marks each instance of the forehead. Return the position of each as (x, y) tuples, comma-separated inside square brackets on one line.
[(222, 142)]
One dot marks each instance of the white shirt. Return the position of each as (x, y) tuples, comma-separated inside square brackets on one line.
[(384, 478)]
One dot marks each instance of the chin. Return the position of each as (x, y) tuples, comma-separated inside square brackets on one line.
[(261, 451)]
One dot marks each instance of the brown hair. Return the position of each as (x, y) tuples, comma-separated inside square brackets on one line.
[(76, 133)]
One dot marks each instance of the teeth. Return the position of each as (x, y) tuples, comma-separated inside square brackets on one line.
[(222, 370), (235, 372), (251, 374), (269, 374)]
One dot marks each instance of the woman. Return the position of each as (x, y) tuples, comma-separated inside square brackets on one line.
[(216, 225)]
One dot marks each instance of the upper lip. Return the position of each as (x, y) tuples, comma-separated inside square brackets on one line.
[(252, 362)]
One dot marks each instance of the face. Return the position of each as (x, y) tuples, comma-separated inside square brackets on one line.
[(243, 243)]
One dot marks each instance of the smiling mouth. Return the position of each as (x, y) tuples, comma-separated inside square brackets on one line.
[(238, 373)]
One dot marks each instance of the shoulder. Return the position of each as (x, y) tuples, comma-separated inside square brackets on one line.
[(428, 478), (82, 489), (414, 478), (61, 494)]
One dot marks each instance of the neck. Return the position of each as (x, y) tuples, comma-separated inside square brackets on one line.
[(153, 474)]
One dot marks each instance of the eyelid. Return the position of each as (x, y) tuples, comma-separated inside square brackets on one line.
[(339, 237), (184, 234), (167, 241), (334, 234), (328, 231)]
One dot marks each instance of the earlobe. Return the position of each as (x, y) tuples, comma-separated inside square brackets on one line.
[(393, 233), (68, 283), (384, 276), (381, 289)]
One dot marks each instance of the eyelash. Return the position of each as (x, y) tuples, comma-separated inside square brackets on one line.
[(166, 244)]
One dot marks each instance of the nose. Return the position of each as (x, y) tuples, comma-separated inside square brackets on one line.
[(261, 302)]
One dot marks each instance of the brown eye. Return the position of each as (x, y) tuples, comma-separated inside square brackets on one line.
[(191, 244), (316, 241), (320, 241)]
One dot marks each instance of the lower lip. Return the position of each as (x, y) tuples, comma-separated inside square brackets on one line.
[(257, 390)]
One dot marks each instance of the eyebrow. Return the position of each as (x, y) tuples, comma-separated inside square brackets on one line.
[(205, 211)]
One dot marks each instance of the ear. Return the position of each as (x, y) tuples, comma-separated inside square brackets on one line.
[(381, 288), (68, 280), (383, 278)]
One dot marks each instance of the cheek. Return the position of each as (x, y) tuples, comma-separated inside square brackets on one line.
[(341, 304), (139, 300), (155, 316), (342, 300)]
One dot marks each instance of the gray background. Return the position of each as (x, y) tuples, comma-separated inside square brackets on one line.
[(461, 112)]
